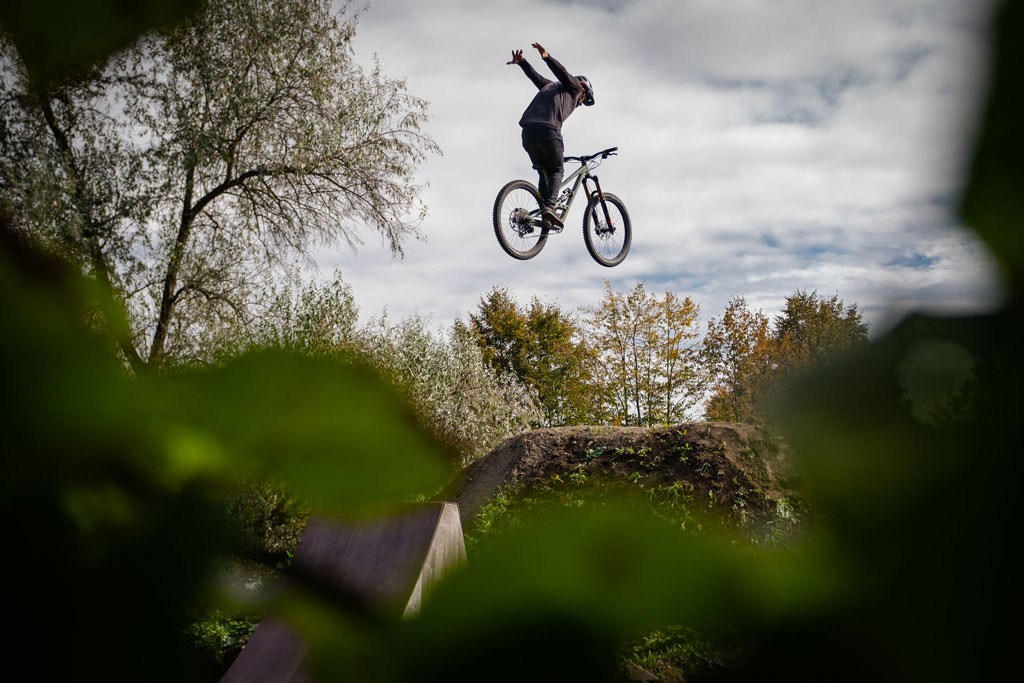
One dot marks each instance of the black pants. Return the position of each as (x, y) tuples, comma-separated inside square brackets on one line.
[(544, 145)]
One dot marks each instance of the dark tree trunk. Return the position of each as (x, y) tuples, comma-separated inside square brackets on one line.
[(90, 229), (169, 295)]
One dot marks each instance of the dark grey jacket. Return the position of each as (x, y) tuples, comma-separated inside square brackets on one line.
[(556, 99)]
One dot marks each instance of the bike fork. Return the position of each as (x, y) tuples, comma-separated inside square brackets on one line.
[(604, 205)]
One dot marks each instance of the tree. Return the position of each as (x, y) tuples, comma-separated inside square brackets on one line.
[(738, 357), (546, 349), (650, 364), (500, 326), (318, 319), (815, 330), (750, 359), (187, 170), (678, 353)]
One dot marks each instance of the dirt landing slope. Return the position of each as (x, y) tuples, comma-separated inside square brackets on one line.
[(730, 460)]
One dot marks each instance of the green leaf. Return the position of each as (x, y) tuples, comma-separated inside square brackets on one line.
[(339, 435), (560, 591)]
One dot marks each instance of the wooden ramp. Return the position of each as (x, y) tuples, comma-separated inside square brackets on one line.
[(388, 565)]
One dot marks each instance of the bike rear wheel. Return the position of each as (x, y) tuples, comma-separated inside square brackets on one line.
[(517, 220), (607, 241)]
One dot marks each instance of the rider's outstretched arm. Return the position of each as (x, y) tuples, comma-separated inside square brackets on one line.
[(532, 74), (538, 80), (567, 79)]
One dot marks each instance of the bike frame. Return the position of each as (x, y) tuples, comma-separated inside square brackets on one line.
[(578, 178)]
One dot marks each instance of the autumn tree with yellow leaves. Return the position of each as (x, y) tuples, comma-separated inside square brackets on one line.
[(648, 348)]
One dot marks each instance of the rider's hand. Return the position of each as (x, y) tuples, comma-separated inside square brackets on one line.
[(541, 50), (517, 56)]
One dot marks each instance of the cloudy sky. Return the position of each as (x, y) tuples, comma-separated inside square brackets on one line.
[(765, 146)]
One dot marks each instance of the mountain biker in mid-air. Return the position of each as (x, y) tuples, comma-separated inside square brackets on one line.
[(542, 124)]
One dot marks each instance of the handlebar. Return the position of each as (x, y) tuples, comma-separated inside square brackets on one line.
[(604, 154)]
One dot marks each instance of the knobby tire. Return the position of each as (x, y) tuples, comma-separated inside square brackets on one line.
[(518, 194), (608, 248)]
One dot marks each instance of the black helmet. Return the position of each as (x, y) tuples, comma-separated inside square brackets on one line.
[(588, 90)]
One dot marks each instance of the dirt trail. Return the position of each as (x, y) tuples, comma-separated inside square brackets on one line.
[(729, 459)]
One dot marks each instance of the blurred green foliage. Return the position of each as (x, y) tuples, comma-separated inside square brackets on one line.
[(114, 484), (109, 486), (644, 479), (469, 405), (553, 597), (993, 204), (58, 39)]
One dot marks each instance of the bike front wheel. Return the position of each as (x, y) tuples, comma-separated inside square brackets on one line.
[(607, 235), (517, 220)]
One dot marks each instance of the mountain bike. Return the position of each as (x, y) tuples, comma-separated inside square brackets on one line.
[(521, 231)]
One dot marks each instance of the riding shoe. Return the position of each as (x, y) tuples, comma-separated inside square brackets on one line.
[(552, 219)]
